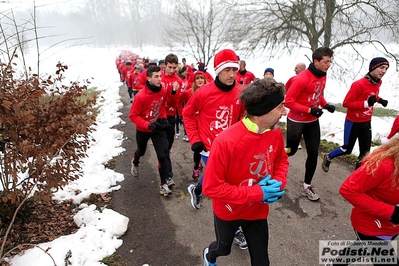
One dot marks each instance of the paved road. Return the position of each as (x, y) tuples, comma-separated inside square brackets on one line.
[(166, 231)]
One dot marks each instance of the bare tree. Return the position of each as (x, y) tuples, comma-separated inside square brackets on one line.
[(198, 24), (142, 17), (289, 24)]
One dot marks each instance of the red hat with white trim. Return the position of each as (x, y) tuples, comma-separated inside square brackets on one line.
[(395, 128), (224, 59)]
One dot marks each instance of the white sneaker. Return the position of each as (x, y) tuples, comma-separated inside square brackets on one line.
[(177, 134), (164, 190), (299, 146), (194, 198), (309, 192), (239, 239), (185, 138), (134, 170)]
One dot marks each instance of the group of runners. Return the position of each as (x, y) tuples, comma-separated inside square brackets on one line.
[(232, 123)]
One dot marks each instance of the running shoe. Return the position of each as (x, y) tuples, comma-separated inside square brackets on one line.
[(170, 182), (196, 175), (309, 192), (239, 239), (325, 165), (206, 262), (164, 190), (195, 199), (134, 170)]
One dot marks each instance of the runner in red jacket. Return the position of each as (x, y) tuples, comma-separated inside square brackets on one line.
[(172, 84), (373, 191), (298, 69), (134, 81), (305, 98), (198, 81), (126, 71), (212, 109), (185, 85), (149, 116), (359, 101), (244, 76), (247, 171)]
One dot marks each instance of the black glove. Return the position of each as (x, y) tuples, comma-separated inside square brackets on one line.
[(162, 121), (316, 112), (383, 102), (395, 216), (330, 108), (165, 126), (372, 100), (153, 126), (198, 147)]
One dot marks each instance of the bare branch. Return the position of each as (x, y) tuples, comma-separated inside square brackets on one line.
[(281, 25)]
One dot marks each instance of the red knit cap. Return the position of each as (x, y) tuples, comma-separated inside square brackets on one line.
[(224, 59), (395, 128)]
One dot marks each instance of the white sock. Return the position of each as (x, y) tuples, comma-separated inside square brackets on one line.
[(305, 185)]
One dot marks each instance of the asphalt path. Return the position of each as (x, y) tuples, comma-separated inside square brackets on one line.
[(166, 231)]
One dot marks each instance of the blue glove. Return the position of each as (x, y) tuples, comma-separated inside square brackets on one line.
[(264, 181), (271, 190)]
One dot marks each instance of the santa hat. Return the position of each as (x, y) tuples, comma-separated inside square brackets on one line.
[(224, 59), (395, 128), (196, 73)]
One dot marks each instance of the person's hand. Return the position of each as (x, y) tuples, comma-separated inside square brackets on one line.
[(395, 216), (371, 100), (264, 181), (153, 126), (175, 86), (271, 189), (316, 112), (330, 108), (383, 102), (198, 147)]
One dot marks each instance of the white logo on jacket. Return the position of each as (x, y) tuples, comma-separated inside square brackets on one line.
[(223, 118), (262, 166)]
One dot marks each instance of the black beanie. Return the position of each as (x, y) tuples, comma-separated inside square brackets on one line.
[(377, 62), (266, 104), (269, 69)]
